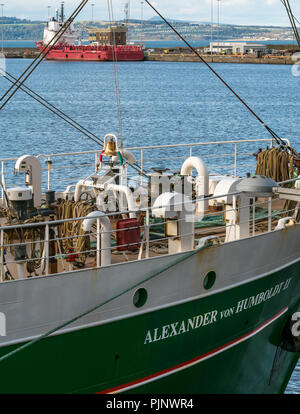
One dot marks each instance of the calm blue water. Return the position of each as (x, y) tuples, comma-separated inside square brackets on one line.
[(161, 103)]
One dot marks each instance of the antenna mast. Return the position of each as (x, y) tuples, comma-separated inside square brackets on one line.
[(127, 13), (287, 5), (62, 12)]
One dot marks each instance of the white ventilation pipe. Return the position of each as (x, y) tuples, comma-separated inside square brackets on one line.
[(128, 194), (31, 166), (79, 186), (87, 224), (202, 181)]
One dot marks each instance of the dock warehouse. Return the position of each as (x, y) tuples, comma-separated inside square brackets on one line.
[(232, 48)]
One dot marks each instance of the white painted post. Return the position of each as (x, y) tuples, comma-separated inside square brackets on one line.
[(47, 249), (147, 232), (253, 217), (142, 165), (270, 214), (2, 180), (2, 255), (235, 217), (98, 253), (49, 173), (235, 160), (96, 161)]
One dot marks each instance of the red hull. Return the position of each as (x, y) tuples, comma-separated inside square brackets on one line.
[(93, 53)]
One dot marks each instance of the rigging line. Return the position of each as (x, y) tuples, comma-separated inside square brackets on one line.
[(69, 120), (115, 58), (44, 102), (282, 1), (41, 56), (116, 77), (41, 53), (63, 116), (292, 21), (274, 135), (58, 113), (291, 16)]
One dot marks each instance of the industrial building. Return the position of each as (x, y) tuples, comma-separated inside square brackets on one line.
[(109, 36), (235, 48)]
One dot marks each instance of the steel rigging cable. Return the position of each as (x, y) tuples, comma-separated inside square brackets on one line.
[(115, 63), (292, 18), (54, 109), (18, 83), (273, 134)]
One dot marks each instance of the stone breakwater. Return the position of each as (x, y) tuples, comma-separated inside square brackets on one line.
[(20, 52), (189, 57)]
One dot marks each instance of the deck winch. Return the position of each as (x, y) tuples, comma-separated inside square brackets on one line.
[(21, 199)]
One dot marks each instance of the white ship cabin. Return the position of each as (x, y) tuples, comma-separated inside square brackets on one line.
[(54, 24)]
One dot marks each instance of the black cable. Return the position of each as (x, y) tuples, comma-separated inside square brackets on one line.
[(273, 134), (291, 16), (59, 33), (42, 55), (56, 111), (65, 117)]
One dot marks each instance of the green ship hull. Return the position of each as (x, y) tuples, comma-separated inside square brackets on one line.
[(228, 342)]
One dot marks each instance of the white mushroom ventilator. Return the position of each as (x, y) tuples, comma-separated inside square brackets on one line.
[(32, 168), (105, 234), (202, 181)]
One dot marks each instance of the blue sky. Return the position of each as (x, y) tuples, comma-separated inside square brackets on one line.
[(266, 12)]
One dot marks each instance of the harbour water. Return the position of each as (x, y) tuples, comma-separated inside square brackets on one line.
[(161, 103)]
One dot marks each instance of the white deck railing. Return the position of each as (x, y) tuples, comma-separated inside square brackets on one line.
[(233, 157), (145, 245)]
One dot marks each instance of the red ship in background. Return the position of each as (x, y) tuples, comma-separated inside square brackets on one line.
[(105, 44)]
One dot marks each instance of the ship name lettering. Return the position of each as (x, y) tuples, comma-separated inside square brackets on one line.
[(261, 297), (178, 328)]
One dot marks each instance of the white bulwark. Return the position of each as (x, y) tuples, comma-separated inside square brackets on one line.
[(232, 48)]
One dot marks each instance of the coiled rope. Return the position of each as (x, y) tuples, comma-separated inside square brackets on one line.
[(276, 164), (69, 230)]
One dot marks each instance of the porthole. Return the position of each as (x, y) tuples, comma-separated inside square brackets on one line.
[(140, 297), (209, 280)]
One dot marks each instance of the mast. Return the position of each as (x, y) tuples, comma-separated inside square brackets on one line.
[(127, 13), (62, 12), (292, 18), (2, 28), (211, 26)]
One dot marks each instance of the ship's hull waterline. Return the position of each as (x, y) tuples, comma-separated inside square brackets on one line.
[(93, 54), (223, 340)]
